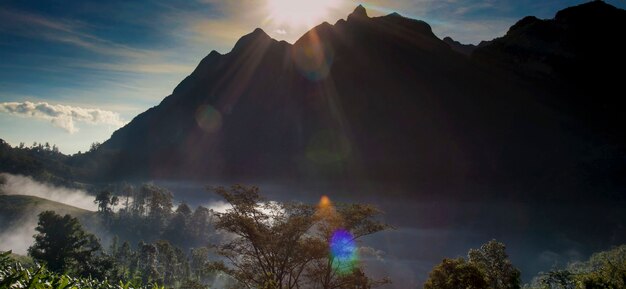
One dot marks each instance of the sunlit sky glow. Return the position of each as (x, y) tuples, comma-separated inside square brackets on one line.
[(121, 57)]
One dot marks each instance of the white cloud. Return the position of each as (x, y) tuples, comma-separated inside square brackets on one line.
[(21, 185), (62, 116), (18, 236)]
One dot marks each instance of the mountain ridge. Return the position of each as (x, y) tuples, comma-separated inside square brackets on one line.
[(378, 98)]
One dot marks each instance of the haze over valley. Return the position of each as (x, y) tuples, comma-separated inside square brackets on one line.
[(371, 147)]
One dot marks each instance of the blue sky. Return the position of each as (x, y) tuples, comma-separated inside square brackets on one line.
[(71, 72)]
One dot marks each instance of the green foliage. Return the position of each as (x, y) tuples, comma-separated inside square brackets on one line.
[(15, 276), (286, 245), (557, 279), (43, 162), (106, 201), (63, 245), (603, 270), (455, 274), (491, 259), (5, 259), (487, 267), (276, 245), (145, 214)]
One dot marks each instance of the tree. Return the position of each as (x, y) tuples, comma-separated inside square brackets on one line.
[(492, 260), (456, 274), (605, 269), (199, 263), (63, 245), (286, 245), (201, 227), (268, 248), (106, 201), (178, 230), (338, 228), (558, 279), (159, 203), (146, 262), (94, 146)]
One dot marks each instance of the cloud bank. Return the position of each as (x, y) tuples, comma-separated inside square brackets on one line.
[(21, 185), (18, 236), (62, 116)]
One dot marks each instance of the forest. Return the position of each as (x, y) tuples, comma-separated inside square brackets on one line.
[(253, 243)]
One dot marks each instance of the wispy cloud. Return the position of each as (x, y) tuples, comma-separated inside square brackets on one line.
[(120, 57), (66, 32), (154, 68), (62, 116)]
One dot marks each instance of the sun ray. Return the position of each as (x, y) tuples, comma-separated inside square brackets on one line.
[(299, 13)]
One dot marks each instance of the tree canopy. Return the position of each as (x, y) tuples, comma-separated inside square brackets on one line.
[(455, 274), (486, 267), (63, 246), (492, 260), (287, 245)]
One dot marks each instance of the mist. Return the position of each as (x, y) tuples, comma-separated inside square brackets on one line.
[(424, 231), (22, 185), (19, 236)]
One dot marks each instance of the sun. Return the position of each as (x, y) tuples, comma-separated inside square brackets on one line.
[(298, 13)]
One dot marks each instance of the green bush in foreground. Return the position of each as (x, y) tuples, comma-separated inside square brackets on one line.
[(15, 276)]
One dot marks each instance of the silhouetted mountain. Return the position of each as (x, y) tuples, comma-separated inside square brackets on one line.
[(466, 49), (574, 56), (383, 99)]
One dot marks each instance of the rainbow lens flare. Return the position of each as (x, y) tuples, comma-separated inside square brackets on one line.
[(343, 250)]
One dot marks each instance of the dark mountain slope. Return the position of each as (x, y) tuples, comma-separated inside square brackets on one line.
[(576, 57), (377, 99), (459, 47)]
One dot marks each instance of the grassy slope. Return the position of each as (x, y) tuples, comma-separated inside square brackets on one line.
[(14, 208)]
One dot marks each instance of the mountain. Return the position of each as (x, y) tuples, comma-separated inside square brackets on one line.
[(575, 56), (382, 99), (459, 47), (466, 49)]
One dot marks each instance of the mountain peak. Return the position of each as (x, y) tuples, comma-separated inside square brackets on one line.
[(358, 13), (258, 35), (591, 10)]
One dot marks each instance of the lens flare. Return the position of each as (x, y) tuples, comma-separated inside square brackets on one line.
[(325, 209), (313, 57), (343, 251), (325, 202), (208, 119)]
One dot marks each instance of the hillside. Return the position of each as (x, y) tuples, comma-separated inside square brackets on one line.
[(383, 100), (18, 208), (573, 56)]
